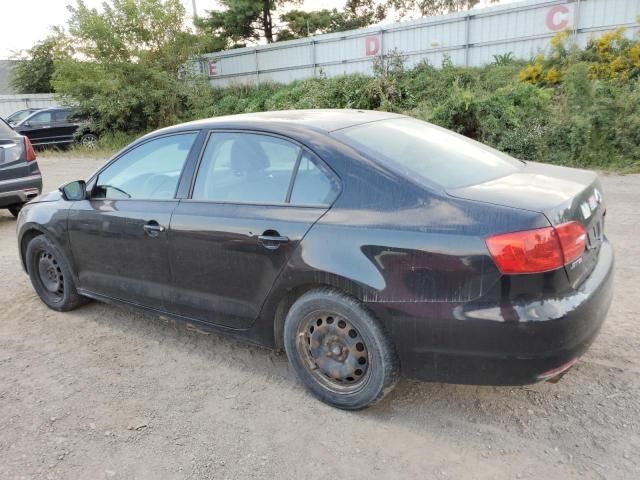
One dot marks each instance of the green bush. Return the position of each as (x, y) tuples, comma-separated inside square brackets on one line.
[(572, 107)]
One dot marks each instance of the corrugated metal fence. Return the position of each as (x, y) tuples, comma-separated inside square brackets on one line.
[(469, 38), (12, 103)]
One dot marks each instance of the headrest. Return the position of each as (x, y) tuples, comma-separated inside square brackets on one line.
[(247, 156)]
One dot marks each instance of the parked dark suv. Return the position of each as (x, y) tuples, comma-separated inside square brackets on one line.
[(56, 126), (20, 178)]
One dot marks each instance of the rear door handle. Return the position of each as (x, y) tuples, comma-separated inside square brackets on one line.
[(153, 228), (272, 241)]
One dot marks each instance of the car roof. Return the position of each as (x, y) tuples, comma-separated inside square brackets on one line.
[(325, 120)]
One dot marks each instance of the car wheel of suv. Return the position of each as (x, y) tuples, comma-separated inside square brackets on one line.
[(339, 350), (89, 140), (15, 209), (50, 275)]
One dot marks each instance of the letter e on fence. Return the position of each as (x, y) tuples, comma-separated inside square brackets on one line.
[(372, 46), (559, 17)]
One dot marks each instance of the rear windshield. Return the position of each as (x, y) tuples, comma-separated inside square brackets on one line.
[(420, 150)]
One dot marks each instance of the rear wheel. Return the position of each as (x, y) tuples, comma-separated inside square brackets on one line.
[(89, 140), (339, 350), (50, 275)]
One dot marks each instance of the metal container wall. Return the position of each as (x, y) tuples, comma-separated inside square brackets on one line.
[(13, 103), (471, 38)]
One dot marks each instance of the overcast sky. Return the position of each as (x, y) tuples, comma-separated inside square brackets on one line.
[(23, 22)]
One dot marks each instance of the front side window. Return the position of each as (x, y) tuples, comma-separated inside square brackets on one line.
[(149, 171), (419, 150), (42, 118), (245, 167)]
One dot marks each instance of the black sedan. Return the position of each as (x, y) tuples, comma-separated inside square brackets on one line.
[(368, 245)]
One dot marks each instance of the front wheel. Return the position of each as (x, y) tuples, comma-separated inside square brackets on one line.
[(339, 350), (15, 209), (50, 275)]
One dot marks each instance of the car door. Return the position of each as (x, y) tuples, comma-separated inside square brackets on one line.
[(231, 238), (118, 235), (63, 128), (37, 127)]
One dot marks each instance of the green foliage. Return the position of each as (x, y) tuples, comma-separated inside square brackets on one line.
[(431, 7), (239, 22), (302, 24), (503, 59), (126, 64), (33, 70), (578, 118)]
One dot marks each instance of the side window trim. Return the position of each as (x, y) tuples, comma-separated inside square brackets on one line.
[(294, 175), (92, 181), (303, 148)]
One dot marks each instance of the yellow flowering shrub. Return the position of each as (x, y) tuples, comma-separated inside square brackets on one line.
[(611, 57)]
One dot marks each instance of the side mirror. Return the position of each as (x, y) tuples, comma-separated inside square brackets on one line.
[(26, 124), (74, 191)]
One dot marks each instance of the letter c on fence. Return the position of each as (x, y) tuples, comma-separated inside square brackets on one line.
[(372, 46), (558, 18)]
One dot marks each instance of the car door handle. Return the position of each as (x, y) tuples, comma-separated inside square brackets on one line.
[(271, 241), (153, 228)]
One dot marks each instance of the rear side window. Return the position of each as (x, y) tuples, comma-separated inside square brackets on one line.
[(314, 185), (245, 167), (419, 150), (60, 115), (149, 171), (256, 168)]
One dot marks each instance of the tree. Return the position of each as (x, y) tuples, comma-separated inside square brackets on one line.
[(425, 8), (127, 61), (303, 24), (33, 70), (243, 20), (356, 14)]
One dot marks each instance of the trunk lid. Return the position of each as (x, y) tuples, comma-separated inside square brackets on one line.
[(562, 194)]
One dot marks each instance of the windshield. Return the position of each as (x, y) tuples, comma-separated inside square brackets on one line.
[(421, 150), (18, 116)]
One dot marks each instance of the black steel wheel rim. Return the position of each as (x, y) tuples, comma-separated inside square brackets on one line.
[(333, 352), (50, 275)]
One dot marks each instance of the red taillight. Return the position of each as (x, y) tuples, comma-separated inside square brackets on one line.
[(539, 250), (573, 239), (30, 153)]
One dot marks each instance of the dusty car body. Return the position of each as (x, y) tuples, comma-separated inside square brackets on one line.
[(413, 255)]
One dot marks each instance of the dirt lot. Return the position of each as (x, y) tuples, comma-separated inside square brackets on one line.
[(105, 392)]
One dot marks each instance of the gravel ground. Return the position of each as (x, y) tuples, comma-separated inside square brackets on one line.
[(105, 392)]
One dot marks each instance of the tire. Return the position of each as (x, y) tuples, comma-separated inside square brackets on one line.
[(339, 350), (15, 209), (50, 275), (89, 140)]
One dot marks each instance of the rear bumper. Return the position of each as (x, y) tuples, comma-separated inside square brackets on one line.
[(491, 344), (19, 190)]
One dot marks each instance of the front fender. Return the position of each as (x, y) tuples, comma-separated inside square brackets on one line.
[(48, 218)]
